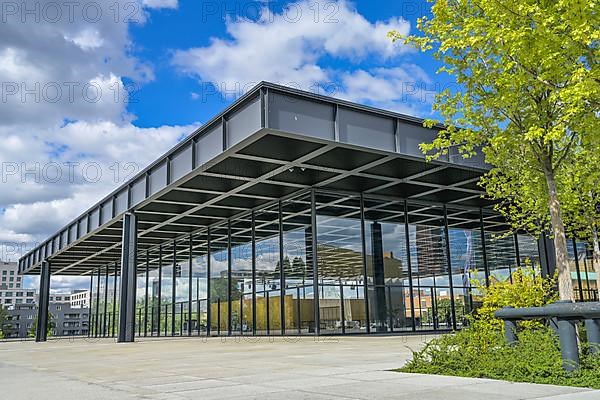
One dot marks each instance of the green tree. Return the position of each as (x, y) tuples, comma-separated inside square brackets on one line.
[(219, 288), (286, 267), (528, 94), (298, 268), (581, 199), (51, 325), (3, 319)]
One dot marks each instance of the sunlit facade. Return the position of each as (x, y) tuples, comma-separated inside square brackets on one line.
[(295, 214)]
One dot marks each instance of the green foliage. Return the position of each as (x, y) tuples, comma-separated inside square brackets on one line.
[(528, 93), (3, 318), (219, 288), (51, 325), (443, 308), (481, 351), (528, 289)]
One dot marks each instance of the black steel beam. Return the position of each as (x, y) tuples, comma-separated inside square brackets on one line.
[(128, 279), (41, 333)]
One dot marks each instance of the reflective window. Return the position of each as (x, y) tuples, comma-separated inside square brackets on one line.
[(340, 264), (387, 266)]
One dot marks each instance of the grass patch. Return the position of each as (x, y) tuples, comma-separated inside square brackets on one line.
[(480, 351), (535, 358)]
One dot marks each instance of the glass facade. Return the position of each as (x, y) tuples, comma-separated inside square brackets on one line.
[(329, 263)]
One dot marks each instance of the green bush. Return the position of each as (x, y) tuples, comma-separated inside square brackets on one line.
[(481, 351)]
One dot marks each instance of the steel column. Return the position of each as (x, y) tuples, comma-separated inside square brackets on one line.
[(173, 287), (253, 235), (229, 264), (486, 267), (97, 303), (41, 333), (364, 261), (449, 257), (190, 285), (114, 304), (159, 305), (90, 304), (315, 264), (281, 271), (128, 279), (146, 294), (408, 261), (579, 284), (104, 328), (208, 296), (517, 255)]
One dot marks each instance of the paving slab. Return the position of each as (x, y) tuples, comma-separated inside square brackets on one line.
[(356, 367)]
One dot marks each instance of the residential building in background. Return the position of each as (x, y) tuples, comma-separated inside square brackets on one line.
[(80, 298), (65, 321), (11, 286)]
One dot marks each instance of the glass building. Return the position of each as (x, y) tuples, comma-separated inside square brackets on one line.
[(294, 214)]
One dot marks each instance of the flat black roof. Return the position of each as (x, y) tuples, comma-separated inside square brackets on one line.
[(272, 142)]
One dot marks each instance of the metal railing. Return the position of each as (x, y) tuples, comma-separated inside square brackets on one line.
[(562, 317)]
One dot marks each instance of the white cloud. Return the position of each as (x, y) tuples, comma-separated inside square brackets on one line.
[(406, 88), (64, 108), (160, 3), (99, 157), (88, 39), (287, 47)]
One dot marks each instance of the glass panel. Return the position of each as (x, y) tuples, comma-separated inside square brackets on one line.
[(387, 266), (575, 267), (466, 251), (297, 249), (93, 303), (199, 281), (268, 272), (500, 248), (140, 298), (429, 264), (167, 291), (590, 283), (154, 292), (340, 264), (241, 275), (182, 286), (219, 281), (529, 252)]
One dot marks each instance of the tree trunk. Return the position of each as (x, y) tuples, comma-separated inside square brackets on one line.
[(565, 283), (596, 258)]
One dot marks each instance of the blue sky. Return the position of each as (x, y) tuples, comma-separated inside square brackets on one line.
[(168, 98), (160, 75)]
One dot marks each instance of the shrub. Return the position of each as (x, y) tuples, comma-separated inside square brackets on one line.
[(481, 351)]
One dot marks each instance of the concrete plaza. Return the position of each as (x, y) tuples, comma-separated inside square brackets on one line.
[(244, 368)]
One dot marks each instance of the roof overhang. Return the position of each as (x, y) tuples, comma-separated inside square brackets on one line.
[(249, 157)]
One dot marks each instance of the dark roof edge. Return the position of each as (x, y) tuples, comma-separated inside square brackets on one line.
[(237, 103)]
